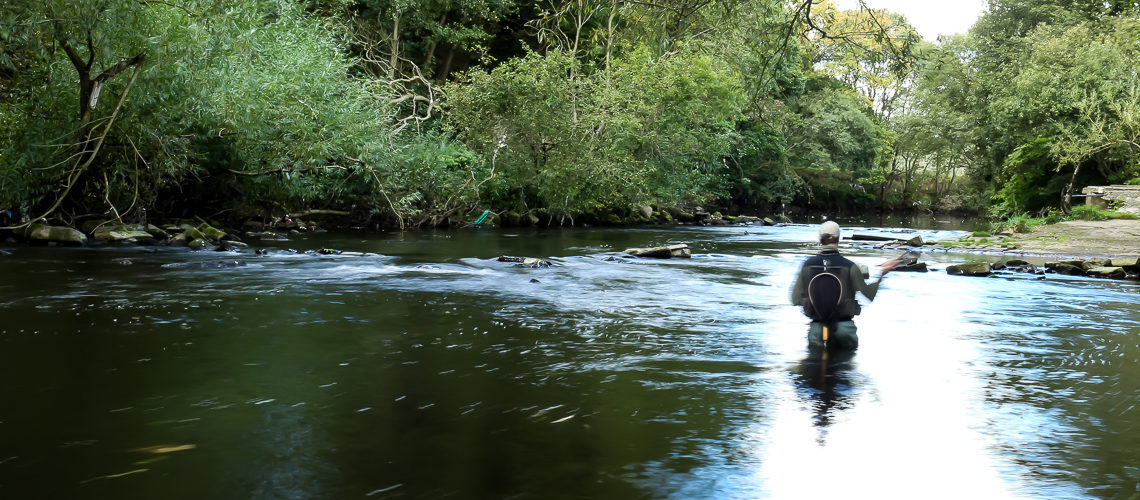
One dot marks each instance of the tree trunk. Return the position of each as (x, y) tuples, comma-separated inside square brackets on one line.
[(394, 59), (447, 63), (1067, 196), (431, 48)]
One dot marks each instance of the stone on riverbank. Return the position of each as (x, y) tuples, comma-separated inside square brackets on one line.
[(680, 251), (970, 269)]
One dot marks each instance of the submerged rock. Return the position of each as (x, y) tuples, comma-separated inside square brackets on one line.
[(530, 262), (970, 269), (217, 264), (667, 252)]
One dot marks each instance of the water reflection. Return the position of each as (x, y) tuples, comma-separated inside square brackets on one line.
[(826, 384)]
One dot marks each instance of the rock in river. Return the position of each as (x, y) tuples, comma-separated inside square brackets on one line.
[(1068, 268), (1117, 273), (915, 267), (56, 234), (525, 261), (666, 252), (970, 269)]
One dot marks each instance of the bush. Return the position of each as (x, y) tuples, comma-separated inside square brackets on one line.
[(1085, 212), (1021, 223)]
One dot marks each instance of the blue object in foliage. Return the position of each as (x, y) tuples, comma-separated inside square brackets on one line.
[(482, 217)]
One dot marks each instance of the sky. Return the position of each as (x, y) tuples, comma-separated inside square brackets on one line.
[(930, 17)]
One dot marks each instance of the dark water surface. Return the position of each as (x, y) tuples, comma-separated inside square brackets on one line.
[(434, 371)]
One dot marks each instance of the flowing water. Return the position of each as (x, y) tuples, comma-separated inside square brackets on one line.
[(431, 370)]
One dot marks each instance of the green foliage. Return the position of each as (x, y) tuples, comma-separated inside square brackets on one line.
[(1084, 212), (594, 107), (574, 139), (1020, 223)]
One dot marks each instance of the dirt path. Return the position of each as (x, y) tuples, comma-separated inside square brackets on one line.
[(1109, 238)]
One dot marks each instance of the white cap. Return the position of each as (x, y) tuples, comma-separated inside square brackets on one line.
[(829, 228)]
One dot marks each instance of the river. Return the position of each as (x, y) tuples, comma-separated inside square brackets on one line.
[(431, 370)]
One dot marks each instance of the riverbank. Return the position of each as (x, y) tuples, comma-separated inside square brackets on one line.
[(1081, 238)]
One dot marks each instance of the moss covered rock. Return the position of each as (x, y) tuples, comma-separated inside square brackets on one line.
[(212, 233), (970, 269)]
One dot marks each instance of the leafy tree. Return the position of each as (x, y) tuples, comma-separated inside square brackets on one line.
[(576, 142)]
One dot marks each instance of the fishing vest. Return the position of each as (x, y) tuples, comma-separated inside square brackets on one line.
[(828, 296)]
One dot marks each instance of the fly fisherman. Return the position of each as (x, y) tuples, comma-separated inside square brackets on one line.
[(826, 288)]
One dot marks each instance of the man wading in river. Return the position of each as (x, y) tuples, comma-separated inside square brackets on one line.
[(826, 289)]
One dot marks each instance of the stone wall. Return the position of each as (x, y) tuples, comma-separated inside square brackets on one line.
[(1101, 196)]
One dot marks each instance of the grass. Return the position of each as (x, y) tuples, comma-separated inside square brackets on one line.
[(1023, 223)]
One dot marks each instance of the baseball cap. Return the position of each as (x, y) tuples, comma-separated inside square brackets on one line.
[(829, 228)]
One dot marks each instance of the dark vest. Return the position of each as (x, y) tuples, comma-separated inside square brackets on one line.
[(840, 266)]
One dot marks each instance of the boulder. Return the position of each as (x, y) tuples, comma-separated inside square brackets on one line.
[(197, 243), (1116, 273), (1128, 263), (56, 235), (1089, 264), (645, 210), (917, 267), (1066, 267), (769, 222), (667, 252), (178, 240), (1021, 266), (914, 242), (970, 269), (212, 233), (90, 226), (192, 232), (126, 236)]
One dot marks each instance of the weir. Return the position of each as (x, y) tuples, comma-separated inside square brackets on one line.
[(1128, 197)]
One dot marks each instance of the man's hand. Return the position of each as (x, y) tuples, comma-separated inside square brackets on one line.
[(890, 264)]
